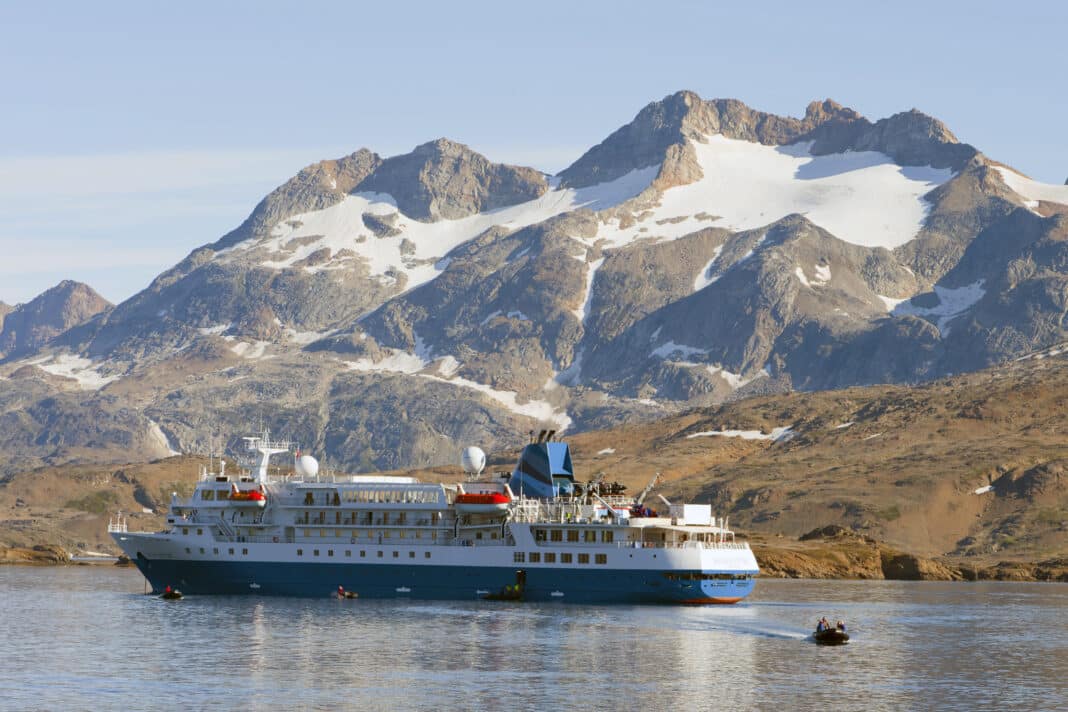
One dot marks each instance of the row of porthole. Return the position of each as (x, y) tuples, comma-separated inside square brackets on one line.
[(315, 552)]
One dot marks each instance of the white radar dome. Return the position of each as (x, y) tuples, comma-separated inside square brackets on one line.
[(307, 466), (472, 459)]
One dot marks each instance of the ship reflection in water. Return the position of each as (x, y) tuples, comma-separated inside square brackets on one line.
[(86, 637)]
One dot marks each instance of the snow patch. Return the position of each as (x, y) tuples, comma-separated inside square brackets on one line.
[(891, 302), (587, 297), (801, 276), (1031, 190), (776, 435), (951, 304), (251, 351), (160, 437), (671, 349), (79, 368), (705, 277), (425, 244), (823, 274), (214, 330), (416, 365), (735, 380), (842, 426), (607, 451)]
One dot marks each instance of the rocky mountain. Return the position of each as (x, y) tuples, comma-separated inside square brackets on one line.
[(380, 309), (26, 327)]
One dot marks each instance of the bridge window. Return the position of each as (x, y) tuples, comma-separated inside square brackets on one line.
[(539, 535), (556, 535), (207, 494)]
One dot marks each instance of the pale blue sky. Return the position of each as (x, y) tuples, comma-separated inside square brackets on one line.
[(134, 132)]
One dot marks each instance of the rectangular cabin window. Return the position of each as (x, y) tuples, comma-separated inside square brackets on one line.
[(401, 534), (339, 533), (185, 531), (329, 552), (411, 554), (245, 552), (201, 550), (199, 531), (207, 494), (550, 557), (380, 554), (396, 554), (589, 535), (584, 558), (363, 553), (215, 551), (608, 536), (322, 533), (315, 552), (300, 552), (307, 532), (602, 558), (348, 553), (223, 494), (231, 552), (539, 535), (478, 535), (419, 535), (188, 550), (337, 517), (535, 557), (556, 535), (426, 554), (493, 535), (433, 535), (565, 558), (572, 535), (518, 557)]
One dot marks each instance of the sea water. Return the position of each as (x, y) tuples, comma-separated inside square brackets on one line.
[(86, 637)]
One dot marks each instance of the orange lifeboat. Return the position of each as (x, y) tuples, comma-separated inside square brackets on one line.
[(255, 498), (482, 503)]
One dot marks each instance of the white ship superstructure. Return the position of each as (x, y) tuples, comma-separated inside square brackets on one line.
[(533, 534)]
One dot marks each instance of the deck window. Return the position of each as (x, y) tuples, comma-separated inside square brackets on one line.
[(315, 552), (550, 557), (602, 558), (300, 552), (215, 551), (518, 557), (572, 535), (426, 554), (589, 535), (535, 557), (231, 552), (565, 558), (608, 536), (556, 535), (411, 554), (199, 531), (348, 553), (245, 552), (363, 554), (380, 554), (185, 531), (396, 554), (329, 552), (584, 558), (201, 550)]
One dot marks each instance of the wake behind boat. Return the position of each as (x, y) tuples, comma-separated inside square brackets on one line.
[(534, 534)]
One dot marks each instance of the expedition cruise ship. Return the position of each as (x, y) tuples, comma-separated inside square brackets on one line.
[(533, 534)]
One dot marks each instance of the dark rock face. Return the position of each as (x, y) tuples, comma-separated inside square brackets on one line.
[(29, 326), (447, 180)]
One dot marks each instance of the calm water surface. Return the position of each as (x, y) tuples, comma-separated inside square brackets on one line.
[(86, 638)]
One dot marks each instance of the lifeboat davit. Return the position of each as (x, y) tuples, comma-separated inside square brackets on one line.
[(482, 503), (254, 498)]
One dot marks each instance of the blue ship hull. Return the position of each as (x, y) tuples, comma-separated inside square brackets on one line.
[(437, 582)]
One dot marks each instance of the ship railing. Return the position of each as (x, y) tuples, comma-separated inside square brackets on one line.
[(117, 524), (682, 545)]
